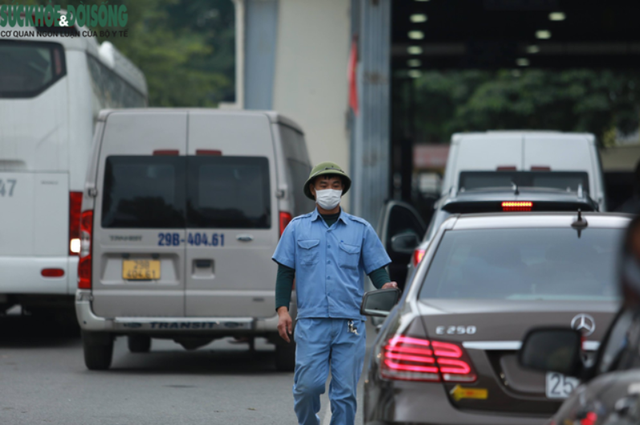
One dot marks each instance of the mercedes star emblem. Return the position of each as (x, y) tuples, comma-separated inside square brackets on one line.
[(584, 323)]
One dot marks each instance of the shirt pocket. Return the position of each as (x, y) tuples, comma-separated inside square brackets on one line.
[(309, 251), (349, 256)]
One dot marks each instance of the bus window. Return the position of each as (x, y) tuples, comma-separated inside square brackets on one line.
[(29, 68)]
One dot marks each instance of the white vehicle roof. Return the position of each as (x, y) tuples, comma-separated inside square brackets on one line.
[(274, 117), (552, 134), (106, 52)]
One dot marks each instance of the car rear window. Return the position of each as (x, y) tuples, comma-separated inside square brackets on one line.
[(563, 180), (525, 264), (144, 192), (229, 192)]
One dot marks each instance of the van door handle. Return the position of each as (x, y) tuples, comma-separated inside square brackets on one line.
[(203, 264), (244, 238)]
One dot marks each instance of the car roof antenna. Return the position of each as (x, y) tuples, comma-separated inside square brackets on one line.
[(516, 191), (580, 224)]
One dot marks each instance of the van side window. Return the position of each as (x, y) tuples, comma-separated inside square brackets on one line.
[(231, 192), (299, 173), (144, 192)]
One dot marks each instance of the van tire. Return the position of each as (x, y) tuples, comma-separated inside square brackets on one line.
[(285, 356), (98, 350), (139, 343)]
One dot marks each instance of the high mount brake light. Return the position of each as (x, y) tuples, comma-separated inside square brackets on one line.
[(84, 265), (209, 152), (517, 206), (417, 256), (417, 359)]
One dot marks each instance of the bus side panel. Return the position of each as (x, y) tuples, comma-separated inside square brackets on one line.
[(82, 115)]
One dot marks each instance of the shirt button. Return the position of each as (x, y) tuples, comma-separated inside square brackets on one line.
[(328, 277), (328, 262), (328, 246)]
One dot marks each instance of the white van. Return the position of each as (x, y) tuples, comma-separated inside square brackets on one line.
[(51, 92), (182, 211), (571, 153)]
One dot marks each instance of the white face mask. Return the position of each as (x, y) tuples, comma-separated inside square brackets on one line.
[(328, 199)]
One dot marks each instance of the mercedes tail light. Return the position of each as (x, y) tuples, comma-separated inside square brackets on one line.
[(417, 256), (418, 359), (75, 204), (84, 265), (285, 218), (517, 206)]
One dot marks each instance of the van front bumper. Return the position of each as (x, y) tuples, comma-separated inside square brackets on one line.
[(169, 325)]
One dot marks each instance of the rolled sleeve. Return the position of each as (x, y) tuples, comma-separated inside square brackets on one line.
[(374, 256), (285, 253)]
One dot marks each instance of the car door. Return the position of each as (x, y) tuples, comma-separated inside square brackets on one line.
[(399, 218), (232, 228), (139, 216)]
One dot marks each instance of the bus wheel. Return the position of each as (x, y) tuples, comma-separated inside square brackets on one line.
[(98, 350), (139, 343)]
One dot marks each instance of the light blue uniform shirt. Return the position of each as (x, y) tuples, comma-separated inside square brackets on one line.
[(330, 263)]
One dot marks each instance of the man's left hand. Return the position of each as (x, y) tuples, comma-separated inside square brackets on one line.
[(390, 285)]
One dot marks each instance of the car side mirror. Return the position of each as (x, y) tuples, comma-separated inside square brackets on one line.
[(404, 243), (552, 350), (380, 302)]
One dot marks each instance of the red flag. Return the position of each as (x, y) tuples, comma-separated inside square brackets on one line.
[(351, 75)]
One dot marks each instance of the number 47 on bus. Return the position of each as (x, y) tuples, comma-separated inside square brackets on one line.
[(7, 186)]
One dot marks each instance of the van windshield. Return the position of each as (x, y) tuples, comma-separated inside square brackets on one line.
[(563, 180), (144, 192), (28, 68), (228, 192)]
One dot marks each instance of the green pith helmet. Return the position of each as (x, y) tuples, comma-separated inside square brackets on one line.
[(327, 168)]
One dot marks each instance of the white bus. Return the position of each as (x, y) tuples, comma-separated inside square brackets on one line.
[(51, 91)]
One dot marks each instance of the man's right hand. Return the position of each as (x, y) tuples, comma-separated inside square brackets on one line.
[(285, 325)]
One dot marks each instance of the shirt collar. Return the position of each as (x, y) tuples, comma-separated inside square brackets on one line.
[(315, 215)]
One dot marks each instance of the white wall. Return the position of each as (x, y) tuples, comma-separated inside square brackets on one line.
[(311, 74)]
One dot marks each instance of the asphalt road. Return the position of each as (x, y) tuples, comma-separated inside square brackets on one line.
[(43, 380)]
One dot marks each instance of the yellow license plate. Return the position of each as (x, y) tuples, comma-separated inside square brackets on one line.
[(141, 269)]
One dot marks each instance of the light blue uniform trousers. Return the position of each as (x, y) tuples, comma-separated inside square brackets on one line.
[(323, 345)]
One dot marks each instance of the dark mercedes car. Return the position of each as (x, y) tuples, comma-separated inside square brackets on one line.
[(447, 353), (611, 392)]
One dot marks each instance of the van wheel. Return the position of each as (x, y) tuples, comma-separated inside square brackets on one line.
[(285, 356), (98, 350), (139, 343)]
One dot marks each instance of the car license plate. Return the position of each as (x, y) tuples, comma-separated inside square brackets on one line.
[(141, 269), (560, 386)]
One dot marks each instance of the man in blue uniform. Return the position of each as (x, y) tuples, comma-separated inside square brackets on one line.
[(327, 251)]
